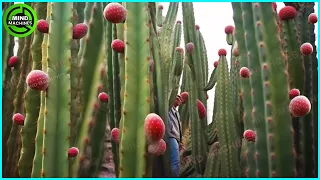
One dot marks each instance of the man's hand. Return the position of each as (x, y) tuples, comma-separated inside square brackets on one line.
[(181, 147)]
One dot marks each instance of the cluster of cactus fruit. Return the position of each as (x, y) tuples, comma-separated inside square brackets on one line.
[(87, 64)]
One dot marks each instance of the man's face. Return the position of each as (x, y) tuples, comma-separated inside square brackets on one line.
[(178, 101)]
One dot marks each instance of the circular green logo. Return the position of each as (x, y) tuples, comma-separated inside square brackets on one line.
[(20, 20)]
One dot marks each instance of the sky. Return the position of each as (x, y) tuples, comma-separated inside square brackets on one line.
[(212, 18)]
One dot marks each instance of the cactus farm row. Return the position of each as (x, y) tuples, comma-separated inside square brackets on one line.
[(91, 64)]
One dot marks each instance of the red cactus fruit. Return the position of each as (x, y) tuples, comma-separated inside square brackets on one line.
[(13, 61), (222, 52), (115, 13), (299, 106), (160, 7), (306, 49), (157, 148), (179, 49), (115, 135), (18, 119), (249, 135), (103, 97), (118, 46), (235, 52), (197, 27), (215, 64), (184, 97), (274, 6), (37, 80), (313, 18), (154, 127), (201, 109), (178, 22), (190, 47), (236, 62), (287, 12), (73, 152), (79, 31), (207, 96), (293, 93), (151, 65), (244, 72), (229, 29), (43, 26)]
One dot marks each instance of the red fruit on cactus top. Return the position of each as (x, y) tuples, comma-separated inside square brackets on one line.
[(79, 31), (249, 135), (294, 92), (160, 7), (287, 12), (115, 13), (190, 47), (118, 46), (244, 72), (115, 135), (197, 27), (274, 6), (154, 127), (201, 109), (73, 152), (178, 22), (179, 49), (229, 29), (215, 64), (43, 26), (157, 148), (184, 97), (207, 96), (103, 97), (222, 52), (13, 61), (18, 119), (299, 106), (312, 18), (38, 80), (235, 52), (306, 49)]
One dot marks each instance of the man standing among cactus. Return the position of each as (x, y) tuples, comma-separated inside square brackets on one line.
[(175, 136)]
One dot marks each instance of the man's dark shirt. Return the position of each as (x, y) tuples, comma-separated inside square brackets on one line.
[(174, 129)]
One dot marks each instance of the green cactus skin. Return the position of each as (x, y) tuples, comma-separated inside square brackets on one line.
[(279, 100), (244, 88), (57, 112), (5, 46), (120, 30), (176, 38), (212, 81), (229, 39), (159, 17), (37, 161), (14, 143), (176, 75), (137, 89), (213, 163), (230, 166), (91, 60), (294, 58), (204, 57), (32, 104)]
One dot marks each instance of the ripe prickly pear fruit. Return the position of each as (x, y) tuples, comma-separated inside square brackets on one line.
[(229, 29), (118, 46), (274, 6), (306, 49), (43, 26), (103, 97), (73, 152), (160, 7), (38, 80), (244, 72), (179, 49), (115, 135), (197, 27), (313, 18), (201, 109), (115, 13), (222, 52), (293, 93), (157, 148), (154, 127), (178, 22), (79, 31), (13, 61), (215, 64), (190, 47), (287, 12), (299, 106), (18, 119), (184, 97), (249, 135)]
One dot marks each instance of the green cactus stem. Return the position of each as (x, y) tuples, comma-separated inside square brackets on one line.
[(137, 89), (56, 131), (32, 103)]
